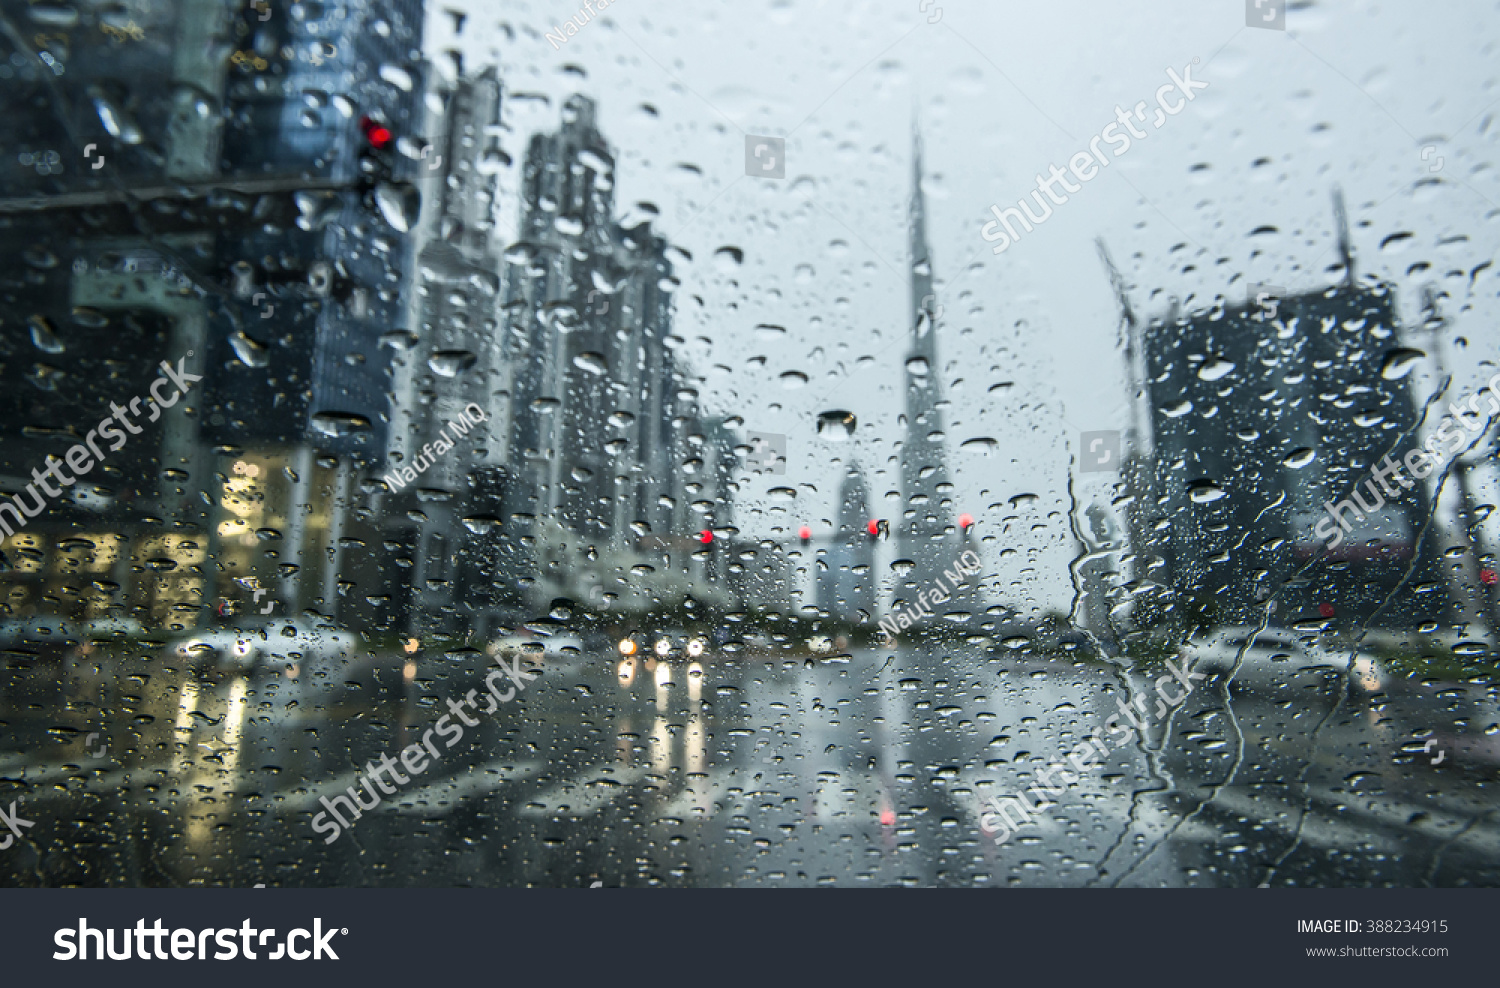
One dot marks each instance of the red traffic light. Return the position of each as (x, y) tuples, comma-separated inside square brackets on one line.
[(378, 136), (878, 527), (804, 533), (966, 521), (1326, 610), (706, 536), (1487, 576)]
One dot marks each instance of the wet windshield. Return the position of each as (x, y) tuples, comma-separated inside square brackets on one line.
[(706, 444)]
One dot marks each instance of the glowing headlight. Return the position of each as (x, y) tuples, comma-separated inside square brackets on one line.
[(242, 648), (663, 646), (627, 646), (695, 647)]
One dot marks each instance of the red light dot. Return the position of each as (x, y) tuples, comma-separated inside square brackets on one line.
[(379, 136), (966, 521), (888, 817), (874, 527), (1326, 610), (1487, 576), (804, 533), (705, 536)]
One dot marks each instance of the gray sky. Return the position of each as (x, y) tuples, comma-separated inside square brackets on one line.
[(1348, 95)]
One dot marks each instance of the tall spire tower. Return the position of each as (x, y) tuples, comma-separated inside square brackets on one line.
[(925, 533)]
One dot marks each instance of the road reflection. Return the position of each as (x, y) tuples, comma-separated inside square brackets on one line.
[(745, 769)]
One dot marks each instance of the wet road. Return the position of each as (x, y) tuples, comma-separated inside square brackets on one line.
[(745, 770)]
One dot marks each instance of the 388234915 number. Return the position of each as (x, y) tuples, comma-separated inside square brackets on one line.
[(1403, 926)]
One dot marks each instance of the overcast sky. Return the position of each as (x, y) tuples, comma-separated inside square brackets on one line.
[(1348, 95)]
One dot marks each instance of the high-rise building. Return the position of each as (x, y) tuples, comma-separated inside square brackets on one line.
[(449, 421), (232, 185), (106, 226), (324, 111), (1259, 414), (614, 460), (928, 541), (846, 578)]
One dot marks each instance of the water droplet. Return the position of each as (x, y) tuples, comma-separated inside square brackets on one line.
[(1214, 369), (591, 362), (1399, 362), (493, 162), (340, 423), (39, 257), (53, 15), (119, 124), (1178, 410), (1300, 457), (782, 494), (836, 426), (726, 259), (396, 76), (43, 337), (481, 524), (917, 367), (766, 331), (90, 318), (592, 160), (792, 380), (1204, 491), (399, 203), (250, 352), (399, 339), (983, 445), (316, 208), (451, 363)]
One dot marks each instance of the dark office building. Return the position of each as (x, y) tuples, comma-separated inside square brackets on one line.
[(323, 113), (109, 115), (1258, 415), (227, 188)]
